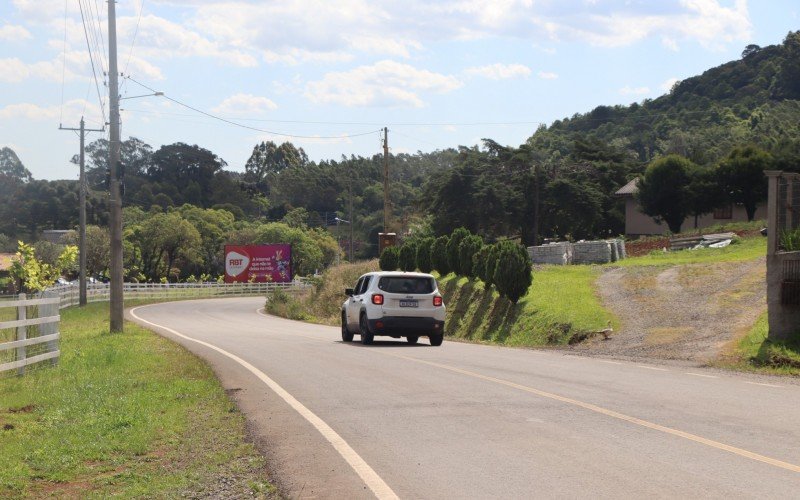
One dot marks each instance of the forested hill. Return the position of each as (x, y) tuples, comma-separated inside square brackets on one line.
[(753, 100)]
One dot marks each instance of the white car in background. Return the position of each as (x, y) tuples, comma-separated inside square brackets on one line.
[(394, 304)]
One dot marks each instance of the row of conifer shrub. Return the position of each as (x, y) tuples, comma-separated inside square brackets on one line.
[(505, 264)]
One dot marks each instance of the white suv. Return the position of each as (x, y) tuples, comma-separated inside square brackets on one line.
[(394, 304)]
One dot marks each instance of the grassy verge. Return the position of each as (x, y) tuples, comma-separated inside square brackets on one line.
[(131, 415), (754, 352), (560, 306), (742, 250), (324, 304)]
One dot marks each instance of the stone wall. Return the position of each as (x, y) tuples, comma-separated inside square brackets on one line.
[(583, 252), (552, 253)]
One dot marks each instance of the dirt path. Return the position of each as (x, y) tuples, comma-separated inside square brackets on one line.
[(683, 313)]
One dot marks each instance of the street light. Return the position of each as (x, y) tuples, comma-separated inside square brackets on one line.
[(143, 95), (338, 236)]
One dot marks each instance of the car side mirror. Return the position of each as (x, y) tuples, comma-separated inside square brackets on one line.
[(348, 292)]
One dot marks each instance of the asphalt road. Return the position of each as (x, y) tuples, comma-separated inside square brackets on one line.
[(339, 420)]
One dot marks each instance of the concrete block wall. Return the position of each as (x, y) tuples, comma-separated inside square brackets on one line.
[(552, 253), (591, 252), (583, 252)]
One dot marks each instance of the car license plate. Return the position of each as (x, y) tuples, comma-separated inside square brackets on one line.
[(409, 303)]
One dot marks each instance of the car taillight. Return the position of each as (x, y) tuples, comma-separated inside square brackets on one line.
[(377, 299), (437, 301)]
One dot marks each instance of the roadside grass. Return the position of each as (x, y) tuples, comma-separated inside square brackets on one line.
[(561, 305), (741, 250), (323, 304), (133, 415), (754, 352)]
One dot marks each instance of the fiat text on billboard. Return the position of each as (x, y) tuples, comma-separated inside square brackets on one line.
[(258, 263)]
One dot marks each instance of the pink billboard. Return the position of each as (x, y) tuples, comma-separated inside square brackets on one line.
[(258, 263)]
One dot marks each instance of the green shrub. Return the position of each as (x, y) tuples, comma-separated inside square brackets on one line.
[(453, 257), (469, 246), (424, 262), (790, 240), (408, 257), (439, 255), (512, 274), (285, 305), (390, 259), (483, 264)]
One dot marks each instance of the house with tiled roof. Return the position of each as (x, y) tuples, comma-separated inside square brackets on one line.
[(639, 224)]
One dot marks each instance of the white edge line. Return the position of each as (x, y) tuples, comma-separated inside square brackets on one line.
[(609, 362), (763, 385), (701, 375), (365, 472), (652, 368)]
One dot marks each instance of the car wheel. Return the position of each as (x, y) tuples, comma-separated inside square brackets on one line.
[(436, 339), (366, 335), (412, 339), (347, 335)]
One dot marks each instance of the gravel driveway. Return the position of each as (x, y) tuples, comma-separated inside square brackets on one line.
[(686, 313)]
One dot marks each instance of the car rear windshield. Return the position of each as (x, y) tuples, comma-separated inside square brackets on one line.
[(402, 284)]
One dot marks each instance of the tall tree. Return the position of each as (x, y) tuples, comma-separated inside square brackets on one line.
[(663, 191), (742, 178)]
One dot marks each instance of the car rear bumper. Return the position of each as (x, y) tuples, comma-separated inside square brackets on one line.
[(404, 325)]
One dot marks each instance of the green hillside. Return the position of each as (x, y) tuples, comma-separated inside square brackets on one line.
[(753, 100)]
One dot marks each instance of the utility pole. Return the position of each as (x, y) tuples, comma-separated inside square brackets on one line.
[(386, 203), (352, 220), (115, 221), (535, 204), (82, 211)]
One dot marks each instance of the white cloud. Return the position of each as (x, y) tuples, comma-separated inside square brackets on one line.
[(73, 65), (245, 104), (31, 111), (385, 83), (668, 84), (13, 33), (159, 38), (500, 71), (547, 75), (628, 90)]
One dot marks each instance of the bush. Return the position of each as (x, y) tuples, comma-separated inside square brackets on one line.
[(390, 259), (469, 246), (285, 305), (483, 264), (512, 274), (439, 255), (453, 260), (424, 261), (790, 240), (408, 257)]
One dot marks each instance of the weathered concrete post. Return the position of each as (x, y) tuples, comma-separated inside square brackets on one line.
[(783, 267)]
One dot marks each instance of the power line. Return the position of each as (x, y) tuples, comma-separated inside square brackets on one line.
[(63, 64), (135, 32), (91, 59), (240, 125)]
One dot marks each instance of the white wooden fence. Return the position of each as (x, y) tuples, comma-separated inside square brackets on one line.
[(35, 331), (37, 318), (98, 292)]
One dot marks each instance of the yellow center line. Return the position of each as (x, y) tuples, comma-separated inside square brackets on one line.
[(611, 413)]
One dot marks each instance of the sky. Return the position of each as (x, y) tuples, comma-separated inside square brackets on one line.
[(328, 75)]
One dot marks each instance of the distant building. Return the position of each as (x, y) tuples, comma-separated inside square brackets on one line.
[(639, 224), (55, 235)]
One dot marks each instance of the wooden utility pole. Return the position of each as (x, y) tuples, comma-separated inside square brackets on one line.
[(535, 204), (82, 212), (115, 221), (386, 203)]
